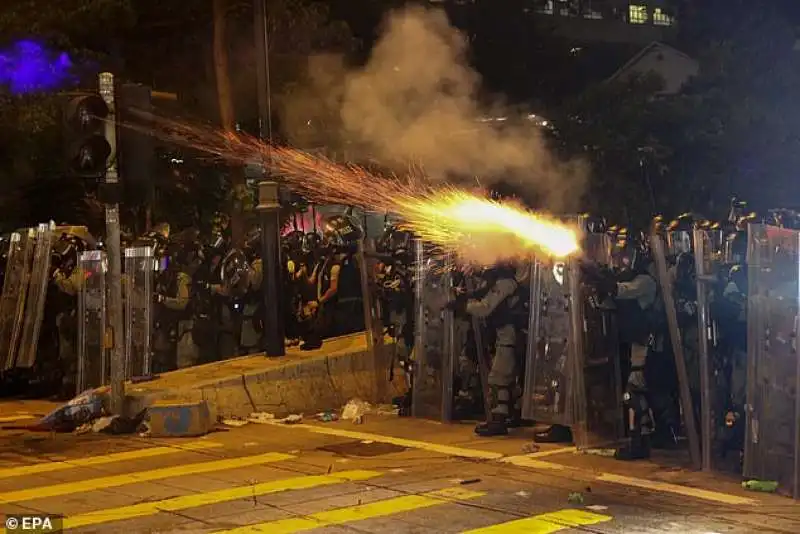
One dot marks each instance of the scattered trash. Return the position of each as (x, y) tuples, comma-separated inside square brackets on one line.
[(292, 419), (398, 470), (606, 453), (295, 451), (469, 481), (355, 410), (261, 417), (144, 429), (234, 422), (85, 428), (82, 409), (387, 409), (250, 444), (575, 498), (529, 448), (597, 508), (327, 416), (522, 494), (342, 460), (587, 489), (765, 486), (367, 442)]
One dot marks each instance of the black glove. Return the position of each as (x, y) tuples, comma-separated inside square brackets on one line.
[(158, 298)]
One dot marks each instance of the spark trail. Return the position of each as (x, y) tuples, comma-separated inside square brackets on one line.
[(475, 228)]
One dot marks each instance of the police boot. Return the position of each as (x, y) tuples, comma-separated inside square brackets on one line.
[(515, 417), (554, 434), (637, 449), (496, 425)]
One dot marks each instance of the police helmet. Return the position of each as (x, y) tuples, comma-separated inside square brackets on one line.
[(342, 232), (736, 248), (293, 241), (680, 234), (312, 242), (629, 255), (235, 272), (784, 218), (395, 241)]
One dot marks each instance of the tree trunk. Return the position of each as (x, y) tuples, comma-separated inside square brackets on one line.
[(227, 116)]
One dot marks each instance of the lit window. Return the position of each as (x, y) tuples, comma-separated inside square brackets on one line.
[(637, 15), (662, 19), (545, 7)]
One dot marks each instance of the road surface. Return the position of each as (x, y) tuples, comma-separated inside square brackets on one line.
[(388, 475)]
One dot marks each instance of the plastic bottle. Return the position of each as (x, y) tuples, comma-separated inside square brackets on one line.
[(766, 486)]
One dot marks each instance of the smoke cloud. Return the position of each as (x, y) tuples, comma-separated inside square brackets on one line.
[(416, 103)]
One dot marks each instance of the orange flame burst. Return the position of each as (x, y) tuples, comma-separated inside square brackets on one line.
[(475, 228)]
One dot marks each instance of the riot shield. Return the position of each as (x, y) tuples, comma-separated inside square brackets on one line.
[(550, 355), (434, 347), (140, 267), (37, 294), (703, 255), (93, 363), (772, 443), (15, 289)]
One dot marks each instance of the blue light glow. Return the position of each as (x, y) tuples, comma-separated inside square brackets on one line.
[(28, 67)]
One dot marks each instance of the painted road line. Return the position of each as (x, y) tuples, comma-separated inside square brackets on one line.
[(17, 417), (362, 512), (67, 488), (149, 452), (687, 491), (525, 460), (401, 442), (545, 523), (213, 497)]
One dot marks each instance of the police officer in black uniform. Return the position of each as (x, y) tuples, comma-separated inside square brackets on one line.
[(635, 295), (338, 308)]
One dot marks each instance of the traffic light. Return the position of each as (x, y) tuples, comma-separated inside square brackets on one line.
[(88, 149)]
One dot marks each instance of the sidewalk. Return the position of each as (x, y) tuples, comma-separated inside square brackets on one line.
[(300, 382)]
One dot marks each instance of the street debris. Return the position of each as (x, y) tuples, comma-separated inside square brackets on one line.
[(529, 448), (261, 417), (469, 481), (292, 419), (764, 486), (575, 497), (355, 410), (606, 453), (327, 416), (522, 493), (235, 422)]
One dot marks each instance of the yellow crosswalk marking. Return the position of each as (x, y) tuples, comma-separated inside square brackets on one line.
[(17, 417), (360, 513), (545, 523), (212, 497), (149, 452), (56, 490)]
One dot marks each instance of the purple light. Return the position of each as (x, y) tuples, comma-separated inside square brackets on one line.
[(28, 67)]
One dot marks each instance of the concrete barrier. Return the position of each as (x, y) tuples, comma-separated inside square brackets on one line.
[(301, 382), (179, 420)]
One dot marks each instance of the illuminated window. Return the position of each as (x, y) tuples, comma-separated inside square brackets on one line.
[(637, 14), (545, 7), (662, 19)]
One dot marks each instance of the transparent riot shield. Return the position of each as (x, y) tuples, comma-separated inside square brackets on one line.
[(140, 267), (550, 355), (15, 289), (93, 362), (703, 257), (37, 295), (772, 443), (434, 347)]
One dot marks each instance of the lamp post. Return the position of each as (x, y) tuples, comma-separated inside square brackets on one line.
[(269, 209)]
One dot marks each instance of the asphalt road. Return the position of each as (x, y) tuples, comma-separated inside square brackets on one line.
[(389, 476)]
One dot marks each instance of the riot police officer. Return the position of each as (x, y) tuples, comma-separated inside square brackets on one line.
[(338, 307), (635, 296), (171, 299), (497, 307)]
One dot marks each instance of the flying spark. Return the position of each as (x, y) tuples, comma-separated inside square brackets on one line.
[(475, 228)]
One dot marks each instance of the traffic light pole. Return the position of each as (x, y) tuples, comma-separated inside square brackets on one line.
[(114, 251)]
